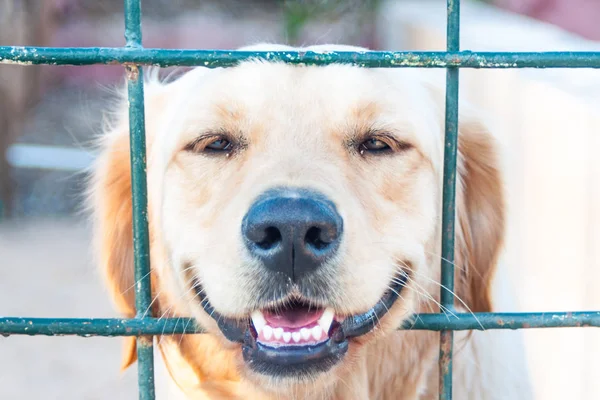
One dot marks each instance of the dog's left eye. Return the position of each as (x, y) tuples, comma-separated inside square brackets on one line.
[(374, 145), (220, 144)]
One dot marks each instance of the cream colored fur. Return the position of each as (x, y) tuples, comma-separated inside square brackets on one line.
[(296, 123)]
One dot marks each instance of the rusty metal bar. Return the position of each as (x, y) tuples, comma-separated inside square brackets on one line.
[(227, 58), (175, 326), (141, 242), (449, 200)]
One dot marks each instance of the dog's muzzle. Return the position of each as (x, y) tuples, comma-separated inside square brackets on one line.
[(295, 339), (294, 233)]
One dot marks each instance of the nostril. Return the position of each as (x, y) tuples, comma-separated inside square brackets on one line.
[(271, 238), (314, 238)]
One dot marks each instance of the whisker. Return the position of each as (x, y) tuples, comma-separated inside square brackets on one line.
[(392, 243), (428, 296), (151, 303), (135, 283), (445, 288)]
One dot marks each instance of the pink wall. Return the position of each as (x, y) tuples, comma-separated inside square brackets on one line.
[(199, 30), (578, 16)]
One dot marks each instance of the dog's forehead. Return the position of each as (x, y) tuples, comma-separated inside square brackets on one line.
[(298, 92), (305, 92), (270, 98)]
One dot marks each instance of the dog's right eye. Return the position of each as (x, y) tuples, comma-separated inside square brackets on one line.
[(211, 144), (220, 144)]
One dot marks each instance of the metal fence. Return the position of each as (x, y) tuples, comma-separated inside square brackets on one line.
[(133, 56)]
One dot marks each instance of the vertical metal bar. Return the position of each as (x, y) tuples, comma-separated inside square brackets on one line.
[(141, 245), (449, 199)]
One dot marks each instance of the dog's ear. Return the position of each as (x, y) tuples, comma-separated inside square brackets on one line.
[(480, 210), (110, 203)]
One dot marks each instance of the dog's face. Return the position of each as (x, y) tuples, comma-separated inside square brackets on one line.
[(299, 198), (298, 208)]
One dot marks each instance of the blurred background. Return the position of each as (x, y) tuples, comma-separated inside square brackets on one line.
[(548, 119)]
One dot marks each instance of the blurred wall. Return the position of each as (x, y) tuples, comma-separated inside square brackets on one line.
[(578, 16), (549, 123), (44, 169)]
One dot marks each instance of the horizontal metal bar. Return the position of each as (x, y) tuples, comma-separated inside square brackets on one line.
[(227, 58), (484, 321), (96, 326), (170, 326)]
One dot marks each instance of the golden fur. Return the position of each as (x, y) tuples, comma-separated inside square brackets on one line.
[(295, 124)]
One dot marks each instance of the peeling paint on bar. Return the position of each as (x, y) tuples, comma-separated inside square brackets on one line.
[(485, 321), (15, 62), (175, 326), (228, 58)]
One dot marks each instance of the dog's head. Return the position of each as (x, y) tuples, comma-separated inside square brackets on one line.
[(295, 211)]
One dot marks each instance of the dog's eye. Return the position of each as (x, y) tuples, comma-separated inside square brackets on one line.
[(220, 144), (212, 144), (374, 145)]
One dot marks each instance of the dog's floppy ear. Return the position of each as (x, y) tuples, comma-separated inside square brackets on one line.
[(110, 201), (480, 208)]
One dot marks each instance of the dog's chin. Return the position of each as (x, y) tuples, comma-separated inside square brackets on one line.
[(297, 340), (296, 386)]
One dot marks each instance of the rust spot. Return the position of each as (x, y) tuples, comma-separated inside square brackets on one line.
[(145, 341), (132, 71), (446, 352)]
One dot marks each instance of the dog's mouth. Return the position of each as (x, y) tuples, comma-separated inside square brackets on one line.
[(296, 338)]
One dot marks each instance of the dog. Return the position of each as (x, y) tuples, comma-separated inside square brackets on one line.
[(295, 214)]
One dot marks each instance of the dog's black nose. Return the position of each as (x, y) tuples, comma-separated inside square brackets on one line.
[(292, 231)]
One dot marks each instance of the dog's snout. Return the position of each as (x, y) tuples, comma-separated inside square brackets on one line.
[(293, 232)]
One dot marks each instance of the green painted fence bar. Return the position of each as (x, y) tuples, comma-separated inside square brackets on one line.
[(139, 192), (133, 56), (176, 326), (449, 200), (228, 58)]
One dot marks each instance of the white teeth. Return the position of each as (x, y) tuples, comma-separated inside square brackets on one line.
[(258, 320), (287, 336), (326, 319), (267, 332), (305, 333), (317, 332), (296, 336), (278, 332)]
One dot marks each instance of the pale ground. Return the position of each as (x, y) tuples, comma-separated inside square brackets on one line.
[(46, 271)]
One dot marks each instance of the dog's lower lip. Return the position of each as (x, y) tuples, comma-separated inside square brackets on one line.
[(313, 357)]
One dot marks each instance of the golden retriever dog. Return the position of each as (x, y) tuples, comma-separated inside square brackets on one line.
[(295, 214)]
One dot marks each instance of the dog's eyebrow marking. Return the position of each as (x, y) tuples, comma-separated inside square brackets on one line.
[(366, 113), (230, 113)]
